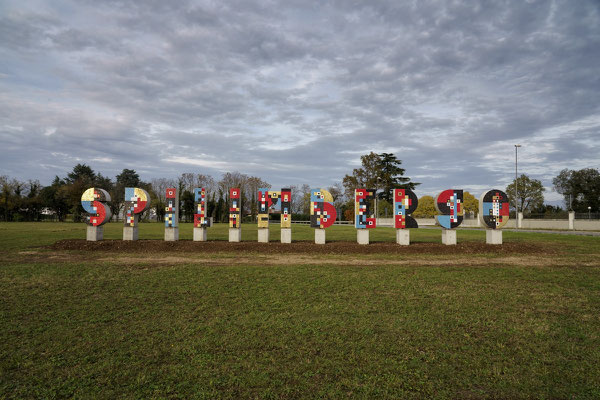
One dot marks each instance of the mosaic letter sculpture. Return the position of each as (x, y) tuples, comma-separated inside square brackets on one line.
[(286, 208), (200, 218), (363, 218), (405, 203), (171, 208), (266, 199), (449, 205), (493, 209), (93, 202), (235, 208), (322, 211), (136, 202)]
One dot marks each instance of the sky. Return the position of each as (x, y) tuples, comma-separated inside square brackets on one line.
[(295, 91)]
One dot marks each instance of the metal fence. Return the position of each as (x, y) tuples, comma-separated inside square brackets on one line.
[(590, 215), (558, 215)]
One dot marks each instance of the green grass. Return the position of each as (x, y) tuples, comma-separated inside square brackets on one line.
[(14, 236), (108, 326)]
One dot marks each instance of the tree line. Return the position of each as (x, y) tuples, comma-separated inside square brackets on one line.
[(580, 190), (30, 201), (61, 200)]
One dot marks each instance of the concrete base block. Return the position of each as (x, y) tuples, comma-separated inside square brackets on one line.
[(94, 233), (319, 236), (130, 233), (362, 236), (263, 235), (235, 235), (520, 220), (403, 237), (171, 234), (449, 236), (286, 235), (493, 236), (200, 235)]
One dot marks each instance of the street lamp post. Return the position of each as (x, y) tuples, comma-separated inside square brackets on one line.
[(516, 185), (589, 212)]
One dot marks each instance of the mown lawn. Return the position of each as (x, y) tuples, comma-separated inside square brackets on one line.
[(102, 325), (21, 235)]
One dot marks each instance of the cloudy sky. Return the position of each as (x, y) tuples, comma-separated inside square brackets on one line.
[(295, 91)]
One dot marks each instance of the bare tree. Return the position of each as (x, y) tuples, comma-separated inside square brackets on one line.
[(232, 180), (337, 192), (187, 181), (160, 185), (295, 197), (205, 181), (253, 183), (303, 203)]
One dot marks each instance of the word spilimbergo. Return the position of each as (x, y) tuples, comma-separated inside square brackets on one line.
[(493, 208)]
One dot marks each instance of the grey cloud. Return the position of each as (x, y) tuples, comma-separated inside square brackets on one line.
[(444, 85)]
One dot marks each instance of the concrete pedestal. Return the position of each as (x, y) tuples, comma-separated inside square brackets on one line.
[(571, 220), (263, 235), (493, 236), (94, 233), (130, 233), (235, 235), (319, 236), (171, 234), (520, 220), (448, 236), (403, 237), (200, 235), (286, 235), (362, 236)]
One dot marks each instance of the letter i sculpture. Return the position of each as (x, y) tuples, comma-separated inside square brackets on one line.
[(201, 221), (172, 215), (363, 220), (286, 215), (235, 215)]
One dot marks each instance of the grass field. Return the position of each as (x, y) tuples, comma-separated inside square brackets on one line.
[(95, 324)]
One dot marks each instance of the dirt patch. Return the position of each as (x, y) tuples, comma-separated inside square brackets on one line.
[(335, 248), (297, 259)]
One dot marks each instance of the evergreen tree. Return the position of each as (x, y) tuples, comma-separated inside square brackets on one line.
[(378, 171), (55, 198)]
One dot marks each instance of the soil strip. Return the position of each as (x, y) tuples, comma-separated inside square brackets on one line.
[(338, 247)]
